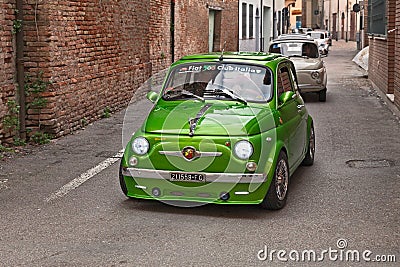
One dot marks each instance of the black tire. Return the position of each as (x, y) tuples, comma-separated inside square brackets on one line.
[(122, 181), (322, 95), (309, 158), (277, 192)]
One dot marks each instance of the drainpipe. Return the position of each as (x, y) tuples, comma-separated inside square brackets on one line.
[(20, 70), (262, 26), (338, 21), (347, 21), (172, 29), (274, 19), (257, 30)]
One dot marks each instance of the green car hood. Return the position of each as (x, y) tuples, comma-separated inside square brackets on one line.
[(215, 119)]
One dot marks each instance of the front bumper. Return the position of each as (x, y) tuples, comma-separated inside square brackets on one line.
[(240, 188), (311, 88), (308, 84)]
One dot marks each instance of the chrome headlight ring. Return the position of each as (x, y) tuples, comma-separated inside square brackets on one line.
[(140, 145), (243, 149), (315, 75)]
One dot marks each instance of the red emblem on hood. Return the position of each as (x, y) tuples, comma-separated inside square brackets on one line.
[(189, 153)]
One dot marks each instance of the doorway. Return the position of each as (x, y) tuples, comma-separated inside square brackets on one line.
[(214, 30)]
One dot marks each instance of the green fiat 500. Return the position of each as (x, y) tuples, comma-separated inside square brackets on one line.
[(226, 128)]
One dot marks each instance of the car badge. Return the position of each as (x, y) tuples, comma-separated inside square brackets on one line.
[(189, 153)]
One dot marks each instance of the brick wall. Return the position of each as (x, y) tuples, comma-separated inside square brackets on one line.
[(191, 26), (383, 66), (365, 20), (159, 34), (97, 54), (378, 63), (7, 64), (397, 54)]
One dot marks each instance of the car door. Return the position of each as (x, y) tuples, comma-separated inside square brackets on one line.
[(292, 114), (302, 112)]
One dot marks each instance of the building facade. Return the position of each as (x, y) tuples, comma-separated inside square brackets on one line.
[(383, 32), (92, 56), (343, 18), (260, 21)]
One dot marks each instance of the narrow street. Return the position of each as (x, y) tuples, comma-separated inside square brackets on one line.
[(351, 196)]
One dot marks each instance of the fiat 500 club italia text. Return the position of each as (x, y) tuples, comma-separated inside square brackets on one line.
[(226, 128)]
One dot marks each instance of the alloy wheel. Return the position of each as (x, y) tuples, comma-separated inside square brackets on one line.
[(282, 179)]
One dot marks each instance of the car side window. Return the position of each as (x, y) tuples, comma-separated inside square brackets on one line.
[(284, 83), (293, 77), (309, 50)]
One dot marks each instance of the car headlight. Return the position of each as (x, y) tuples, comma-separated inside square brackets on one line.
[(315, 74), (243, 149), (140, 145)]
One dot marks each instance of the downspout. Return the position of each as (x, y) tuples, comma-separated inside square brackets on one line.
[(338, 21), (274, 19), (172, 30), (262, 26), (20, 70)]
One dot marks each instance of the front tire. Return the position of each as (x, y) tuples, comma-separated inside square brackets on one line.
[(278, 189), (122, 181), (309, 158), (322, 95)]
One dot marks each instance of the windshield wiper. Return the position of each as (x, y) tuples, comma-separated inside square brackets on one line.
[(227, 92), (176, 93)]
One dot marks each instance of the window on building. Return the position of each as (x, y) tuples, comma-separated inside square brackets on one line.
[(244, 20), (251, 23), (377, 17)]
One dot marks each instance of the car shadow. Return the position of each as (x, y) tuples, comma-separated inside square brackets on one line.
[(235, 211), (310, 98)]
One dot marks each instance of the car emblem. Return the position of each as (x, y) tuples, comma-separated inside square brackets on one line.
[(189, 153)]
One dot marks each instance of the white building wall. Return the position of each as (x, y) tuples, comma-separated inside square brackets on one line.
[(339, 7), (263, 30)]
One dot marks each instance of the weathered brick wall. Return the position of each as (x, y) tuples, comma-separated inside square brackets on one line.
[(191, 26), (381, 70), (397, 55), (378, 63), (365, 20), (7, 64), (96, 53), (391, 20), (159, 34), (230, 26)]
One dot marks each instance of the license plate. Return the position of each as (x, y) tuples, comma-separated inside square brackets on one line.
[(188, 177)]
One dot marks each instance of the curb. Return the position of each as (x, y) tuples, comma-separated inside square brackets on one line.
[(386, 101)]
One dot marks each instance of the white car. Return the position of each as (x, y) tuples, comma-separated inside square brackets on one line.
[(310, 68), (322, 38)]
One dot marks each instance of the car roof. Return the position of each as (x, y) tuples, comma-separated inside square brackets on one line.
[(294, 40), (218, 56), (293, 36)]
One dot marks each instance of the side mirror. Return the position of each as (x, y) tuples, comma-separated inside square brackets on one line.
[(286, 96), (152, 96)]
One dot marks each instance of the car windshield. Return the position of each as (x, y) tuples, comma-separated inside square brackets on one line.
[(295, 49), (238, 82), (316, 35)]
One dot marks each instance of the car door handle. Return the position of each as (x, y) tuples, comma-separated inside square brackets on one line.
[(300, 106)]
